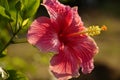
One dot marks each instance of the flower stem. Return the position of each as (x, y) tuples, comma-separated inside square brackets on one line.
[(9, 42)]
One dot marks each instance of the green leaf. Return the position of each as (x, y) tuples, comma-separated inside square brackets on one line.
[(4, 3), (25, 22), (29, 8), (16, 75), (4, 13)]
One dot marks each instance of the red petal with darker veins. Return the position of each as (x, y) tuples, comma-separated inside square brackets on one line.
[(52, 34), (43, 35), (65, 64), (59, 13)]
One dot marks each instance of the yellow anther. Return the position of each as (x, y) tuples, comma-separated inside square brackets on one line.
[(95, 30), (91, 31)]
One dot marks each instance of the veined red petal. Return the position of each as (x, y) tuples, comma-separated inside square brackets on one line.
[(76, 24), (42, 34), (67, 18), (86, 48), (66, 64), (76, 18), (79, 52), (87, 67), (58, 12)]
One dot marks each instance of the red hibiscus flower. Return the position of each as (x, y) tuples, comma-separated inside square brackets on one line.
[(64, 34)]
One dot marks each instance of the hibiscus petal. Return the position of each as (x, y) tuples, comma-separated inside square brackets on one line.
[(42, 34), (76, 19), (76, 24), (58, 12), (87, 67), (65, 64), (86, 48)]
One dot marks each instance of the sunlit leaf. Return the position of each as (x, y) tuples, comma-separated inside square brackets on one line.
[(3, 13), (29, 8), (4, 9), (25, 22)]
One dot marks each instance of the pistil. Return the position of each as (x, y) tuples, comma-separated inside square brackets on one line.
[(91, 31)]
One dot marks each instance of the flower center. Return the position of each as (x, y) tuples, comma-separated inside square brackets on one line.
[(91, 31), (62, 38)]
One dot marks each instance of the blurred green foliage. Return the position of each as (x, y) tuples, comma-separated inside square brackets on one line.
[(15, 17), (16, 75)]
